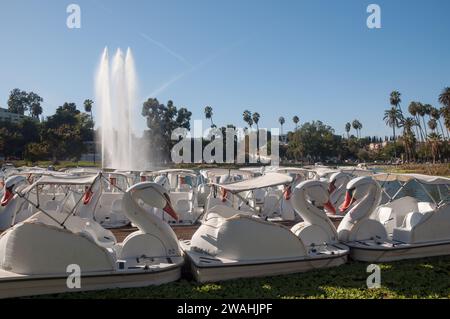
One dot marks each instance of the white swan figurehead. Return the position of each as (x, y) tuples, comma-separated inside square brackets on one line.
[(11, 184), (309, 198), (362, 197), (153, 195), (337, 187)]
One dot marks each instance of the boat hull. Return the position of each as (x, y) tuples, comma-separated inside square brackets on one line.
[(15, 285), (401, 252), (220, 271)]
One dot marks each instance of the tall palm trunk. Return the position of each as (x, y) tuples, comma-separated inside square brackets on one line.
[(442, 129), (93, 135), (424, 126), (420, 128), (395, 142)]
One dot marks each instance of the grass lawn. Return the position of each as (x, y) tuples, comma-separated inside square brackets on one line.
[(421, 278)]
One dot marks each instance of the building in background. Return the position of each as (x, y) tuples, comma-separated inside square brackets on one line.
[(7, 116)]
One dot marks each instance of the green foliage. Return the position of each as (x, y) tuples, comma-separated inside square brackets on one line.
[(162, 120), (421, 278), (21, 101), (314, 141)]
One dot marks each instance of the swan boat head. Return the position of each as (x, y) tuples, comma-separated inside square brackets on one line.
[(11, 184)]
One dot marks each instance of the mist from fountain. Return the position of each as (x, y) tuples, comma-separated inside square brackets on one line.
[(116, 91)]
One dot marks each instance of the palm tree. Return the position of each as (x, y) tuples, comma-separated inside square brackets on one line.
[(434, 140), (408, 136), (444, 97), (281, 120), (392, 118), (357, 126), (432, 124), (413, 108), (422, 111), (247, 117), (348, 127), (88, 109), (436, 115), (445, 111), (395, 100), (209, 114), (255, 118), (296, 119)]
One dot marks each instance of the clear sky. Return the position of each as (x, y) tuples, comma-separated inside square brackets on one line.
[(315, 59)]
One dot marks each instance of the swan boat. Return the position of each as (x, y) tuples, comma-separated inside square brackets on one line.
[(402, 228), (181, 185), (35, 254), (230, 244)]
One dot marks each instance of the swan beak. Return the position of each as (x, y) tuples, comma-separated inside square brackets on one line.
[(349, 200), (7, 196), (330, 207), (169, 210)]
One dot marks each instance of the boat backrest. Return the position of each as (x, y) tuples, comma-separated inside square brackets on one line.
[(424, 207)]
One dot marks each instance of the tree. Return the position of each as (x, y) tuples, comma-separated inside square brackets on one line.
[(357, 125), (20, 101), (34, 105), (395, 100), (88, 109), (408, 137), (434, 140), (161, 121), (281, 120), (348, 127), (422, 111), (255, 118), (296, 119), (247, 117), (314, 141), (413, 110), (432, 124), (209, 114), (392, 118), (63, 132), (444, 99)]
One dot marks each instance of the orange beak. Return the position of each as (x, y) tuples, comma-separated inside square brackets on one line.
[(330, 207), (349, 200), (7, 196), (169, 210)]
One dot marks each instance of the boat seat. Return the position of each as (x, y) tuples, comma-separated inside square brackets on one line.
[(387, 218), (51, 205), (117, 206), (425, 207), (271, 205), (412, 219), (182, 205)]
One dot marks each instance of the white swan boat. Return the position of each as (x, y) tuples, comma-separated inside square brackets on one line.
[(230, 244), (35, 254), (181, 185), (404, 227)]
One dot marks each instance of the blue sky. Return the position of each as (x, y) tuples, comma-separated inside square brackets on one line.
[(315, 59)]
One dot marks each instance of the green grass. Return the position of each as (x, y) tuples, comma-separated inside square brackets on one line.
[(422, 278), (61, 164)]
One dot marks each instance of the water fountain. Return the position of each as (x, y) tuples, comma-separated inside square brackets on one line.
[(116, 100)]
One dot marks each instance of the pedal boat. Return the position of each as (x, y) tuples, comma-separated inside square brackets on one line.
[(403, 228), (230, 245), (35, 254)]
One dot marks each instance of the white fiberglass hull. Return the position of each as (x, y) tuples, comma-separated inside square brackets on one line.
[(16, 285), (392, 251), (209, 269)]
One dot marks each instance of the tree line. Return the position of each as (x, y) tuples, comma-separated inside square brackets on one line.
[(422, 135)]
